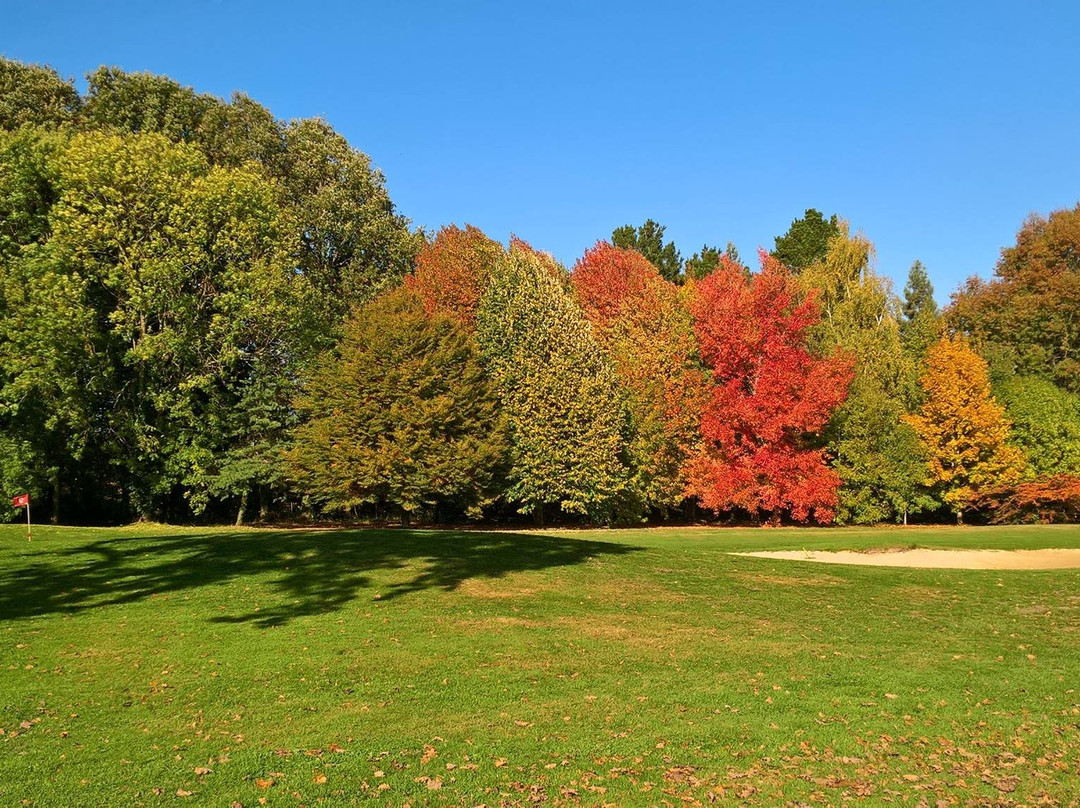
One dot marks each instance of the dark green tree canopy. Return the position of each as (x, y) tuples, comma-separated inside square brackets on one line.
[(920, 325), (807, 240), (649, 241)]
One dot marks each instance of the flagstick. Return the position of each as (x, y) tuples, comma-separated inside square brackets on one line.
[(28, 520)]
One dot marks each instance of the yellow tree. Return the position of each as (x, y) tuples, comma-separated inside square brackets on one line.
[(962, 427)]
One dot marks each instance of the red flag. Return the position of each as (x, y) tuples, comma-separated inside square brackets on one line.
[(21, 501)]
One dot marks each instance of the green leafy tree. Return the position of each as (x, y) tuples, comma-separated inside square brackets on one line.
[(400, 415), (921, 324), (807, 240), (1046, 423), (649, 241), (557, 388), (35, 95), (876, 455)]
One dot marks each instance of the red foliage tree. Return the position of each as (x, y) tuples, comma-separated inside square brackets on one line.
[(453, 270), (1043, 501), (770, 396)]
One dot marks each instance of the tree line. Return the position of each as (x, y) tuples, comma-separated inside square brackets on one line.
[(207, 313)]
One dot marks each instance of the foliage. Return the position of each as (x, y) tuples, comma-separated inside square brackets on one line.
[(557, 389), (35, 95), (644, 326), (1046, 500), (1025, 319), (770, 396), (806, 241), (453, 270), (964, 430), (920, 325), (1046, 423), (707, 259), (649, 241), (400, 415), (875, 454)]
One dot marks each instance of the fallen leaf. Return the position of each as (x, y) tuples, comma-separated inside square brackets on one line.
[(203, 770), (264, 782), (500, 762), (320, 779), (181, 793)]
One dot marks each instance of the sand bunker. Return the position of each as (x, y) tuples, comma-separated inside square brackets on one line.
[(1055, 559)]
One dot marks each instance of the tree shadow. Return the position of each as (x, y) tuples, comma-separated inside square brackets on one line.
[(317, 571)]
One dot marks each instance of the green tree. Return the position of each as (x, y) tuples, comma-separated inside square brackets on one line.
[(1046, 423), (876, 455), (35, 95), (807, 240), (649, 241), (920, 325), (703, 262), (400, 415), (557, 388)]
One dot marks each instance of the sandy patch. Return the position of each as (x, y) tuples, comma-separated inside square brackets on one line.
[(1055, 559)]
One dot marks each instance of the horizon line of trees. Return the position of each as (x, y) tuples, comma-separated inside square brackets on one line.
[(207, 313)]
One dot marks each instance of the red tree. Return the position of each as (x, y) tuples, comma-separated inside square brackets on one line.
[(452, 272), (770, 396)]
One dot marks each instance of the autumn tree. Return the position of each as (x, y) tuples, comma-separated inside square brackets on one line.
[(400, 416), (769, 399), (649, 241), (875, 454), (641, 321), (453, 270), (557, 389), (1025, 320), (806, 241), (963, 429)]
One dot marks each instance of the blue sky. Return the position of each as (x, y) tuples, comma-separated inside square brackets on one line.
[(934, 128)]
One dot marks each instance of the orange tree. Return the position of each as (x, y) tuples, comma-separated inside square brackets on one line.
[(964, 430), (642, 323), (452, 272), (769, 399)]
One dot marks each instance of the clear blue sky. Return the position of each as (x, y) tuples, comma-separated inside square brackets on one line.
[(933, 127)]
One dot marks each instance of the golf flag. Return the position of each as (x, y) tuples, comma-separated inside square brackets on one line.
[(20, 501)]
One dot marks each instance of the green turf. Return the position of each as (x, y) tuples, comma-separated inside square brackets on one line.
[(140, 665)]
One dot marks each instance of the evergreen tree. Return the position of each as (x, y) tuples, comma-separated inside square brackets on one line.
[(920, 326), (806, 241), (649, 241)]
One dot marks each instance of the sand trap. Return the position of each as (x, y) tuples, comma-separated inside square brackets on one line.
[(1055, 559)]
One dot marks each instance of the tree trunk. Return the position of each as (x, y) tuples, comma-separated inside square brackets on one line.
[(56, 498), (959, 516), (264, 503), (538, 515), (242, 508), (905, 517)]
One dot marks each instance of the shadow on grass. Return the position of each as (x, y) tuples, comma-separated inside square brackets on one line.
[(315, 571)]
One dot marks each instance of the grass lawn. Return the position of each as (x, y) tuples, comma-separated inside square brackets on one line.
[(172, 666)]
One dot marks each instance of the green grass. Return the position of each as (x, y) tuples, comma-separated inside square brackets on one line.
[(645, 667)]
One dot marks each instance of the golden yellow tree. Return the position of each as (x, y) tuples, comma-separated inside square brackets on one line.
[(962, 427)]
